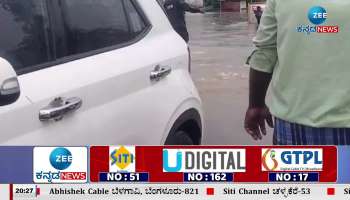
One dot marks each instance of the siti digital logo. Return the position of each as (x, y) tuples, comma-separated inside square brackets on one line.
[(60, 165), (122, 159), (204, 160), (291, 159), (317, 15)]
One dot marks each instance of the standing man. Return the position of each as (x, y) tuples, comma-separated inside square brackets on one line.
[(308, 66), (258, 13), (175, 10)]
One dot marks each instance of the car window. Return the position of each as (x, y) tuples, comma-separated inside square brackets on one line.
[(91, 25), (24, 38), (137, 24)]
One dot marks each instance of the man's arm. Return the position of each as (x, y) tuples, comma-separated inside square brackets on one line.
[(258, 85), (262, 63), (257, 112)]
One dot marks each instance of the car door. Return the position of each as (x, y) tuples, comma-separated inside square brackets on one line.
[(94, 87)]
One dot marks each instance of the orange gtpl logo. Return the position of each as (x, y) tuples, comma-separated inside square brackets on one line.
[(269, 154)]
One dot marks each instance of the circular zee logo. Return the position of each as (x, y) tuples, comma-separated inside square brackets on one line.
[(317, 15), (61, 158)]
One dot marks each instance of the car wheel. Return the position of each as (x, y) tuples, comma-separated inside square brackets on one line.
[(179, 138)]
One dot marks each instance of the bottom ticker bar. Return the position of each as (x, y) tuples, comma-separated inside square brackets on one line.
[(181, 191)]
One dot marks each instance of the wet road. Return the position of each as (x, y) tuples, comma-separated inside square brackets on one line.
[(220, 45)]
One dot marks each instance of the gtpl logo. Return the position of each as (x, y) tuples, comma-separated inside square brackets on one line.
[(60, 165), (272, 155), (286, 159)]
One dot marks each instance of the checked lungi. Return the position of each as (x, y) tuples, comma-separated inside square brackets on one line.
[(286, 133)]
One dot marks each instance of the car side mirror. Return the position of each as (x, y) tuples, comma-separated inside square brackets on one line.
[(9, 86)]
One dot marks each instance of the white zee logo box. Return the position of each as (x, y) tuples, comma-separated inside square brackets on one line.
[(60, 165)]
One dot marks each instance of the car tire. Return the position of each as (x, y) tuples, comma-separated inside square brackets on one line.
[(179, 138)]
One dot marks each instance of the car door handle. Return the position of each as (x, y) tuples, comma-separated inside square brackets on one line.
[(59, 107), (160, 72)]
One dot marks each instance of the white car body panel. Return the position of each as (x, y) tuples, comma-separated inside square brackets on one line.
[(121, 105)]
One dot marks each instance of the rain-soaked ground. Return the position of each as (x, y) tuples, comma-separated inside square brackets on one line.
[(220, 45)]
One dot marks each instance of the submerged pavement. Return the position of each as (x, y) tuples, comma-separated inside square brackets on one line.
[(220, 45)]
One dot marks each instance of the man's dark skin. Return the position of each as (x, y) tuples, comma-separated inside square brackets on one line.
[(258, 112), (175, 10)]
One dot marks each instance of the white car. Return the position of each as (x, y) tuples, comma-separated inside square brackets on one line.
[(76, 72)]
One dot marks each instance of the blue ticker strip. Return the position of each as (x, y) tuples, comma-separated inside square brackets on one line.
[(208, 177), (293, 177), (123, 177), (343, 164), (16, 164)]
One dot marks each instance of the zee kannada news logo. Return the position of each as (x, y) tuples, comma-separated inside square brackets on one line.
[(292, 159), (122, 159), (60, 160), (317, 15)]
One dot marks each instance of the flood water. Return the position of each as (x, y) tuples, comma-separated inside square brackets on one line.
[(220, 45)]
